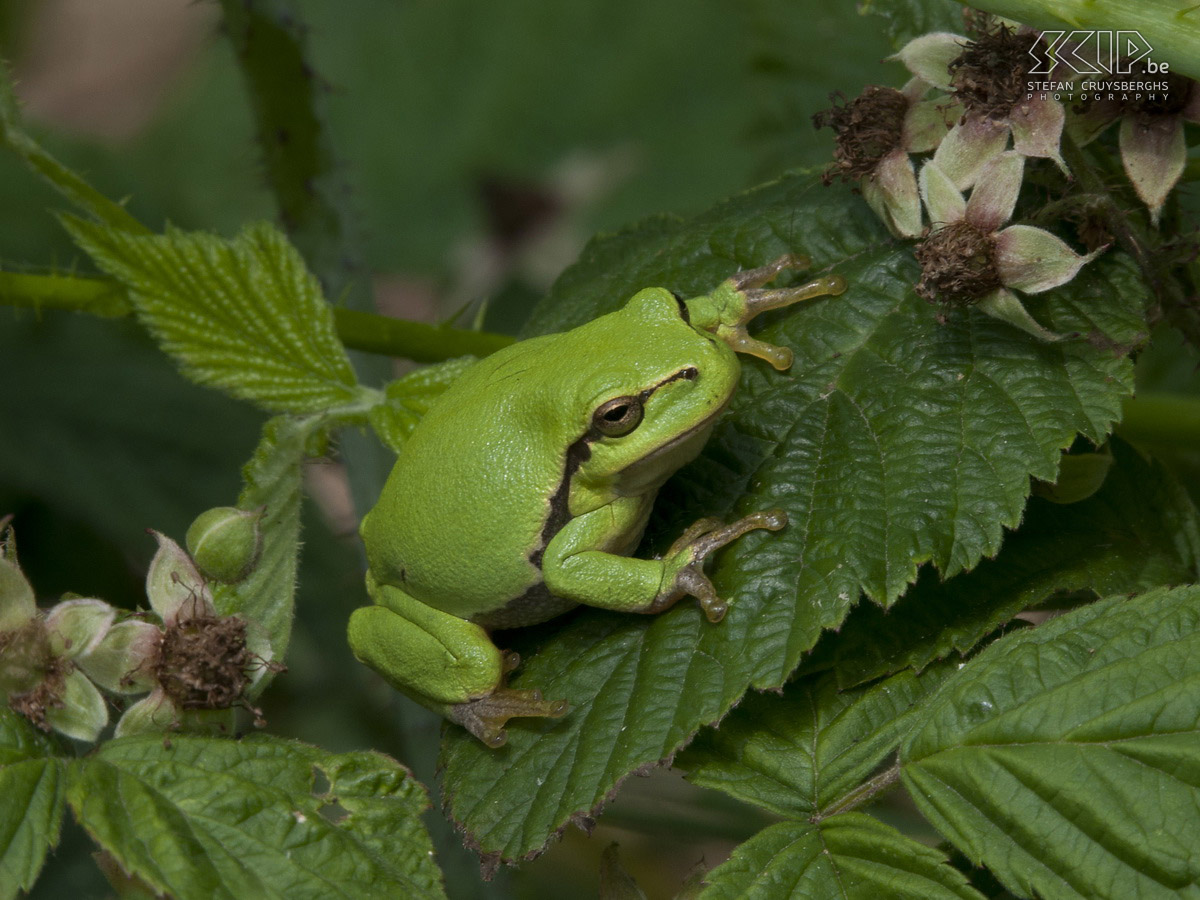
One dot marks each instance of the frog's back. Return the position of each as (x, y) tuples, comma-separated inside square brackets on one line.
[(467, 502)]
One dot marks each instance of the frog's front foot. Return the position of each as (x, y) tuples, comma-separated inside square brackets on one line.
[(726, 311), (486, 717), (696, 544)]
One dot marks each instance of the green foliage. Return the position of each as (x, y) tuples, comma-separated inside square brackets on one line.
[(1066, 758), (1063, 757), (894, 439), (801, 754), (299, 161), (407, 399), (1137, 532), (846, 857), (273, 481), (203, 817), (31, 802), (245, 316)]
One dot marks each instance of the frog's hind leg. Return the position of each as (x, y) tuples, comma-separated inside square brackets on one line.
[(486, 717), (443, 662)]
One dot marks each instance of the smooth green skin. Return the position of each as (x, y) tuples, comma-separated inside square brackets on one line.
[(508, 505)]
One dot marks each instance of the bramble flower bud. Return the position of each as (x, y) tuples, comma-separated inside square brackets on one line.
[(17, 603), (226, 542), (1079, 476)]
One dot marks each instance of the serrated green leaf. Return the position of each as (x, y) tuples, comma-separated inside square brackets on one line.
[(31, 802), (1139, 531), (407, 399), (800, 753), (895, 438), (262, 817), (1066, 758), (244, 315), (273, 481), (846, 857), (906, 19)]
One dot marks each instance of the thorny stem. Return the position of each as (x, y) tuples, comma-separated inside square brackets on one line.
[(861, 794), (369, 332)]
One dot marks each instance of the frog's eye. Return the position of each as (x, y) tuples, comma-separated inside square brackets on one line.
[(618, 416)]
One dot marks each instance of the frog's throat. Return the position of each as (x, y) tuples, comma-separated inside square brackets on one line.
[(659, 452)]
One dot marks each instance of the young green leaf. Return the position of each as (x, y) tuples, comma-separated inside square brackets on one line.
[(902, 433), (1066, 758), (846, 857), (31, 802), (244, 315), (273, 480), (407, 399), (260, 817), (799, 754), (1139, 531)]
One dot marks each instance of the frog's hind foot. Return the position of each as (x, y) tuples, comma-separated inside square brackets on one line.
[(486, 717)]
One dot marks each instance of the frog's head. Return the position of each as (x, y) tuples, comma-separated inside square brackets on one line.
[(654, 376), (648, 401)]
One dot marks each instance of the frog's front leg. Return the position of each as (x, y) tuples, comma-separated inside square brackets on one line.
[(738, 299), (573, 569), (443, 662)]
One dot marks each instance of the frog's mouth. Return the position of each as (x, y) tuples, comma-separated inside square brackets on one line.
[(652, 470), (702, 426)]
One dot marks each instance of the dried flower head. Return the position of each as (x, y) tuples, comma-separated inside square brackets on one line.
[(988, 76), (874, 135), (968, 259)]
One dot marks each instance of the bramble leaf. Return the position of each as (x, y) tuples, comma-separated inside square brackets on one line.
[(407, 399), (273, 481), (901, 434), (1139, 531), (1066, 758), (245, 315), (260, 817), (845, 857), (31, 802), (800, 753)]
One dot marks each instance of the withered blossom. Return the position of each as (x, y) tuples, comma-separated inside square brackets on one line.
[(968, 259), (1153, 150), (875, 133), (988, 76)]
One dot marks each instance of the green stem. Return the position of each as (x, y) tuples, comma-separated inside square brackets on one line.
[(861, 794), (91, 295), (1171, 28), (358, 330), (412, 340), (1162, 419), (66, 182), (310, 188), (1167, 281)]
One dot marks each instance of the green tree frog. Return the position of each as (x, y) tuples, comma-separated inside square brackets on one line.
[(526, 486)]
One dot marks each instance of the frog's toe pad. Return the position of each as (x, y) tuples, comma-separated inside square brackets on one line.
[(486, 717)]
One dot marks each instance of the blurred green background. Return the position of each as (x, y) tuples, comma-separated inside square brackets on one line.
[(484, 143)]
